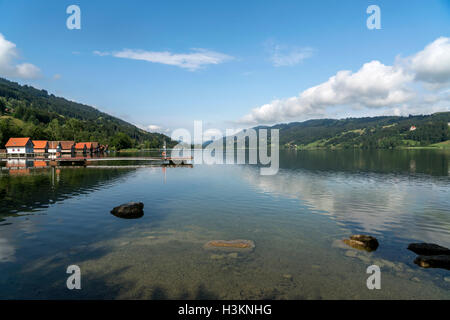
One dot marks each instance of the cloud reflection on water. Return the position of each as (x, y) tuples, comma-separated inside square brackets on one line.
[(367, 202)]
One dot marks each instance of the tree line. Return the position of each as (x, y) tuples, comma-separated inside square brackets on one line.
[(384, 132), (29, 112)]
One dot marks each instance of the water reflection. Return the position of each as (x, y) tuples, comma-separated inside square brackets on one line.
[(57, 218), (431, 162), (25, 190), (7, 251), (370, 192)]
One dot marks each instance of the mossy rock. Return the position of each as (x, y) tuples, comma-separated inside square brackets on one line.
[(362, 242), (131, 210), (230, 245)]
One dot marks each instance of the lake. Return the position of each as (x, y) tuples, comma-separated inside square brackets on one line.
[(51, 218)]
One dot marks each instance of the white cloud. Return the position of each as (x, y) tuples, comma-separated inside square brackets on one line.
[(192, 61), (433, 63), (100, 53), (153, 127), (285, 56), (8, 65), (373, 86), (27, 71)]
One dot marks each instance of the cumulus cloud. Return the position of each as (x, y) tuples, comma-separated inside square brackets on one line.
[(192, 61), (433, 63), (373, 86), (282, 56), (153, 128), (8, 65)]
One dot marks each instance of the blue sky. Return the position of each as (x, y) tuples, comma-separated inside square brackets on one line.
[(243, 55)]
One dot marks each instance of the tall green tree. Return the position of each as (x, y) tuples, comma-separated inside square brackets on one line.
[(54, 130), (2, 106), (122, 141)]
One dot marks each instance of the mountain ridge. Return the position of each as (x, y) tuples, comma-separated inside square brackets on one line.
[(366, 132), (46, 116)]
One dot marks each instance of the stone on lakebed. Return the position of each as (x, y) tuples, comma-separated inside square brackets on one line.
[(130, 210), (437, 261), (428, 249), (362, 242), (230, 245)]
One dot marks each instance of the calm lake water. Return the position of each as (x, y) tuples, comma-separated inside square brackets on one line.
[(53, 218)]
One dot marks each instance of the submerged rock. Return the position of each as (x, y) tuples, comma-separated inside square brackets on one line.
[(438, 261), (130, 210), (288, 277), (231, 245), (428, 249), (351, 253), (362, 242)]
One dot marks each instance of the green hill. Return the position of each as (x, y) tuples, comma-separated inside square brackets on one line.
[(370, 132), (45, 116)]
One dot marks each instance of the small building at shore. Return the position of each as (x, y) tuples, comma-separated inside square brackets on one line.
[(26, 146), (19, 146), (54, 147), (80, 147), (40, 146), (89, 147), (67, 147)]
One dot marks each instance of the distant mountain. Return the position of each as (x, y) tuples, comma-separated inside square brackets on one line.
[(368, 132), (27, 111)]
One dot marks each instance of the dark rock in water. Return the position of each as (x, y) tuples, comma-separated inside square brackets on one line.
[(362, 242), (130, 210), (428, 249), (438, 261)]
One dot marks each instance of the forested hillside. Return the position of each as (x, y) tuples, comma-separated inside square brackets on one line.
[(29, 112), (371, 132)]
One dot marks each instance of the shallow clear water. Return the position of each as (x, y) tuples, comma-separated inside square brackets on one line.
[(50, 219)]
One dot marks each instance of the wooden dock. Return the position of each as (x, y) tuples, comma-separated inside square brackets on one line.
[(84, 161)]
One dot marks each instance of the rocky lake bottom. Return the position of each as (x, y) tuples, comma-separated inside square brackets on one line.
[(293, 225)]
